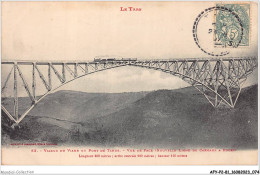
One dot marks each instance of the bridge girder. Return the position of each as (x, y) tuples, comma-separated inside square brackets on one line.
[(219, 80)]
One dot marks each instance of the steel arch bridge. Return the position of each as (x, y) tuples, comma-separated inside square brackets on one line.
[(219, 80)]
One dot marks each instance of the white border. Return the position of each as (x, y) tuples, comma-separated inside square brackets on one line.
[(205, 169), (124, 169)]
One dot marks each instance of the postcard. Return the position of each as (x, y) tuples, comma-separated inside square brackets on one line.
[(129, 83)]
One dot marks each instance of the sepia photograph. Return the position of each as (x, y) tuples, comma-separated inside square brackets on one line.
[(129, 83)]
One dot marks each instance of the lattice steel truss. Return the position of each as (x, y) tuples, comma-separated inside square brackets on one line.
[(219, 80)]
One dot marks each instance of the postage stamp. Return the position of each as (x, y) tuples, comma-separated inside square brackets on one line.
[(228, 31), (222, 27)]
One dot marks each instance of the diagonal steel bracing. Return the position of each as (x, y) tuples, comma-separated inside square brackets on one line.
[(219, 80)]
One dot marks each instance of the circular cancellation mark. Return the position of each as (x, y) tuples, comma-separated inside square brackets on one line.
[(216, 29)]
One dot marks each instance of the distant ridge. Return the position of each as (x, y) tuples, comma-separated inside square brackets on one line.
[(179, 118)]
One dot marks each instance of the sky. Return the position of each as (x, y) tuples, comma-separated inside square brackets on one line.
[(84, 30)]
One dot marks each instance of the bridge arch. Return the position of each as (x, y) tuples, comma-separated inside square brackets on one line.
[(189, 71)]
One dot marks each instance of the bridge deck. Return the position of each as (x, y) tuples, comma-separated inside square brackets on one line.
[(58, 62)]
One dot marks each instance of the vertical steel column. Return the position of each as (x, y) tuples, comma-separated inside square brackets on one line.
[(15, 93), (49, 76), (86, 68), (63, 72), (75, 70), (205, 74), (166, 64), (197, 70), (34, 83), (175, 67), (216, 83)]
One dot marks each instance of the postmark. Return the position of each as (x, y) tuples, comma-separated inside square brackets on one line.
[(219, 28)]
